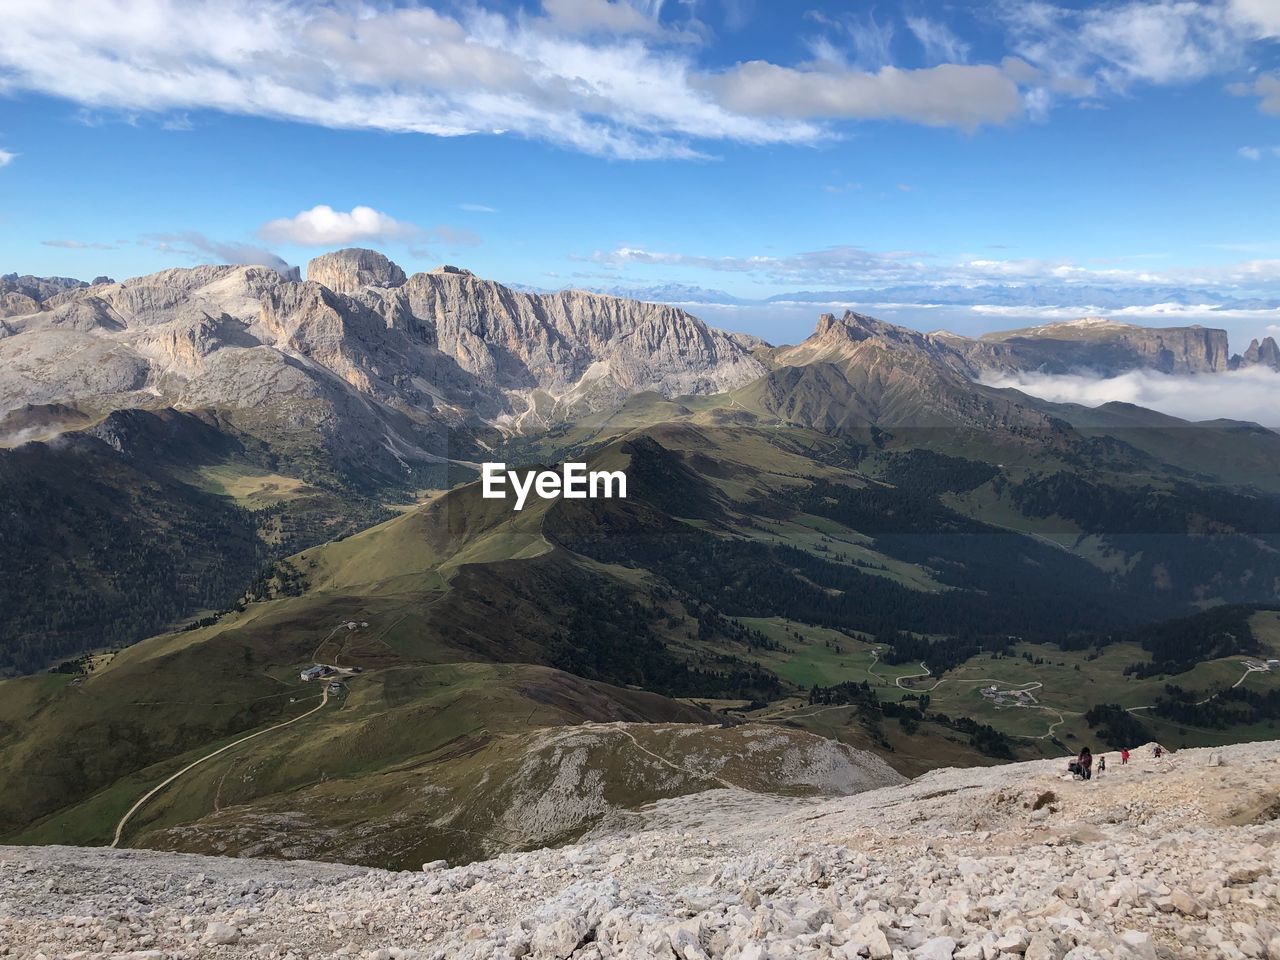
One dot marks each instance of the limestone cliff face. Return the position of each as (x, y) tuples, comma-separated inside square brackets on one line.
[(346, 271), (566, 343), (358, 349), (1098, 345)]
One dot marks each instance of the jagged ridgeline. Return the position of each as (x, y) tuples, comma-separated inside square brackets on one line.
[(843, 546), (304, 407)]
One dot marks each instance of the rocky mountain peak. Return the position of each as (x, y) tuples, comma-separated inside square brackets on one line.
[(353, 268), (450, 268), (1263, 352), (851, 326)]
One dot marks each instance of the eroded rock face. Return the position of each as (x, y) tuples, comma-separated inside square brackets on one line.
[(358, 350), (1099, 345), (23, 294), (349, 270)]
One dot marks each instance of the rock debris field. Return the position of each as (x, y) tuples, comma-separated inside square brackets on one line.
[(1171, 857)]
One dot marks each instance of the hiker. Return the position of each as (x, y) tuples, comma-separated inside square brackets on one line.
[(1102, 765), (1085, 763), (1124, 757), (1157, 751)]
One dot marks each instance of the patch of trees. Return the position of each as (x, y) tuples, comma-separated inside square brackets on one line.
[(910, 712), (99, 549), (973, 556), (941, 655), (95, 553), (1182, 538), (748, 578), (1116, 726), (661, 477), (1178, 645), (608, 636), (78, 665), (928, 473), (278, 579), (1235, 706), (1108, 509)]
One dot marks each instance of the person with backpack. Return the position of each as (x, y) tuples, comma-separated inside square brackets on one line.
[(1084, 763)]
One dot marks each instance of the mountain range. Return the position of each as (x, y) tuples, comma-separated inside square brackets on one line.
[(1094, 296), (217, 477)]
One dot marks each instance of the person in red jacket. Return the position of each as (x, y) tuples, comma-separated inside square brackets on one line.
[(1124, 756)]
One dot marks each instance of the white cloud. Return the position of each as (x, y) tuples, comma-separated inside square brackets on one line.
[(1266, 88), (1247, 394), (946, 95), (612, 16), (939, 43), (607, 77), (872, 42), (382, 67), (78, 245), (862, 269), (196, 246), (1250, 153), (1083, 51), (322, 226), (6, 158), (1167, 314), (833, 265), (476, 208), (1262, 15)]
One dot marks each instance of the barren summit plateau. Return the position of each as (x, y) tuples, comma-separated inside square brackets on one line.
[(1177, 857)]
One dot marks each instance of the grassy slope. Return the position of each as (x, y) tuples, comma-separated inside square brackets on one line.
[(460, 579), (390, 719)]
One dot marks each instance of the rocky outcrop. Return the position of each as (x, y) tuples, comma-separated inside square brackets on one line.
[(1097, 345), (25, 294), (1264, 353), (1175, 858), (856, 371), (349, 270)]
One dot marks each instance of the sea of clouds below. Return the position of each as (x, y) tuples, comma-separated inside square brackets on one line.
[(1251, 394), (1248, 394)]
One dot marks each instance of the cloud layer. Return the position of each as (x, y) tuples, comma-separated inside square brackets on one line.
[(618, 78), (1248, 394), (868, 270)]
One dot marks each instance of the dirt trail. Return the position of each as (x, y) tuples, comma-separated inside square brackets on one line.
[(675, 766), (115, 842), (1243, 677)]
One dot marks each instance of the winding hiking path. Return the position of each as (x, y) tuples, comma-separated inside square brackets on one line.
[(782, 718), (1026, 686), (701, 774), (115, 842), (1243, 677), (897, 681)]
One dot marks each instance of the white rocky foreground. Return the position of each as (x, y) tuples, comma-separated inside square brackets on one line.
[(1177, 857)]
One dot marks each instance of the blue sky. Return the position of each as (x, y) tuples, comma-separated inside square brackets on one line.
[(1017, 162)]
